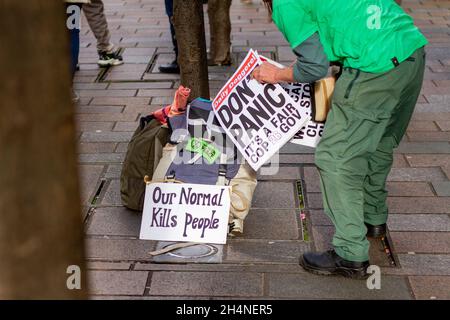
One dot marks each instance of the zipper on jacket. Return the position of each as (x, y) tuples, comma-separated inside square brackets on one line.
[(350, 86)]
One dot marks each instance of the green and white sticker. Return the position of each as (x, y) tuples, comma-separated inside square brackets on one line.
[(208, 151)]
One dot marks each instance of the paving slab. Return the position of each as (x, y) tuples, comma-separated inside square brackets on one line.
[(98, 126), (108, 249), (106, 137), (430, 287), (283, 173), (421, 242), (265, 197), (113, 171), (425, 264), (314, 200), (117, 282), (292, 148), (223, 267), (93, 147), (431, 147), (320, 287), (112, 194), (442, 188), (429, 136), (416, 189), (89, 176), (312, 179), (416, 174), (319, 218), (268, 251), (98, 109), (428, 160), (274, 224), (100, 265), (419, 222), (300, 159), (114, 221), (422, 205), (208, 284), (101, 157)]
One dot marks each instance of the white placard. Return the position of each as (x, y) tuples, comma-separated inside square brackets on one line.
[(185, 212), (301, 93), (311, 133), (258, 118)]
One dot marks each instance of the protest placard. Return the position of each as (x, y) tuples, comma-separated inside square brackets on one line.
[(185, 212), (311, 133), (301, 93), (258, 118)]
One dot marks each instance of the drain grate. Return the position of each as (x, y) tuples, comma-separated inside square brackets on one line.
[(151, 63), (388, 250), (300, 184), (98, 192)]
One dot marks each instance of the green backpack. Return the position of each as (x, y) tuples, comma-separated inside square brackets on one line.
[(143, 154)]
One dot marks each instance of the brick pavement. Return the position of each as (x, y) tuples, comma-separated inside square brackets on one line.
[(263, 263)]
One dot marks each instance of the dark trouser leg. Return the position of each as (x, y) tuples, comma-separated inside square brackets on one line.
[(169, 12), (74, 34)]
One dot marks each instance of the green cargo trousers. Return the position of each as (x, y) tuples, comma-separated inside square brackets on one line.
[(368, 118)]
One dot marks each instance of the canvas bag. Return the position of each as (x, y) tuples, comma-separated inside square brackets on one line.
[(321, 102), (200, 124), (143, 154)]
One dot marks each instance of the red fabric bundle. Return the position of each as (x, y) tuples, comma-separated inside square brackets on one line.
[(177, 107)]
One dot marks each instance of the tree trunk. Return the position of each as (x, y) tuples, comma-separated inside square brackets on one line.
[(40, 220), (190, 34), (399, 2)]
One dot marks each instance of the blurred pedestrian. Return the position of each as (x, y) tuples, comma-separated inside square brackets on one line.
[(73, 14), (95, 16), (220, 30), (173, 66)]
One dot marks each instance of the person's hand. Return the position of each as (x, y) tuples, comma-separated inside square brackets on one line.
[(266, 73)]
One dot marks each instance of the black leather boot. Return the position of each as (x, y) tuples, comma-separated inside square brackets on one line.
[(377, 231), (329, 263), (172, 67)]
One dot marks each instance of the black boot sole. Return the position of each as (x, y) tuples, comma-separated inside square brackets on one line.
[(345, 272)]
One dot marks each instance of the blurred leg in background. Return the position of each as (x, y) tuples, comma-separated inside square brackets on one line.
[(173, 66), (73, 12), (220, 28), (95, 16)]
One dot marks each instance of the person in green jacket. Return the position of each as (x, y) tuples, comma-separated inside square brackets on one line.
[(383, 59)]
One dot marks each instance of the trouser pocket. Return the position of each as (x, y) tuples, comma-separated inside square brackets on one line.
[(351, 84)]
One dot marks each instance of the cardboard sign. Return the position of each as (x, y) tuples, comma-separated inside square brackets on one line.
[(311, 133), (258, 118), (301, 93), (185, 212)]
